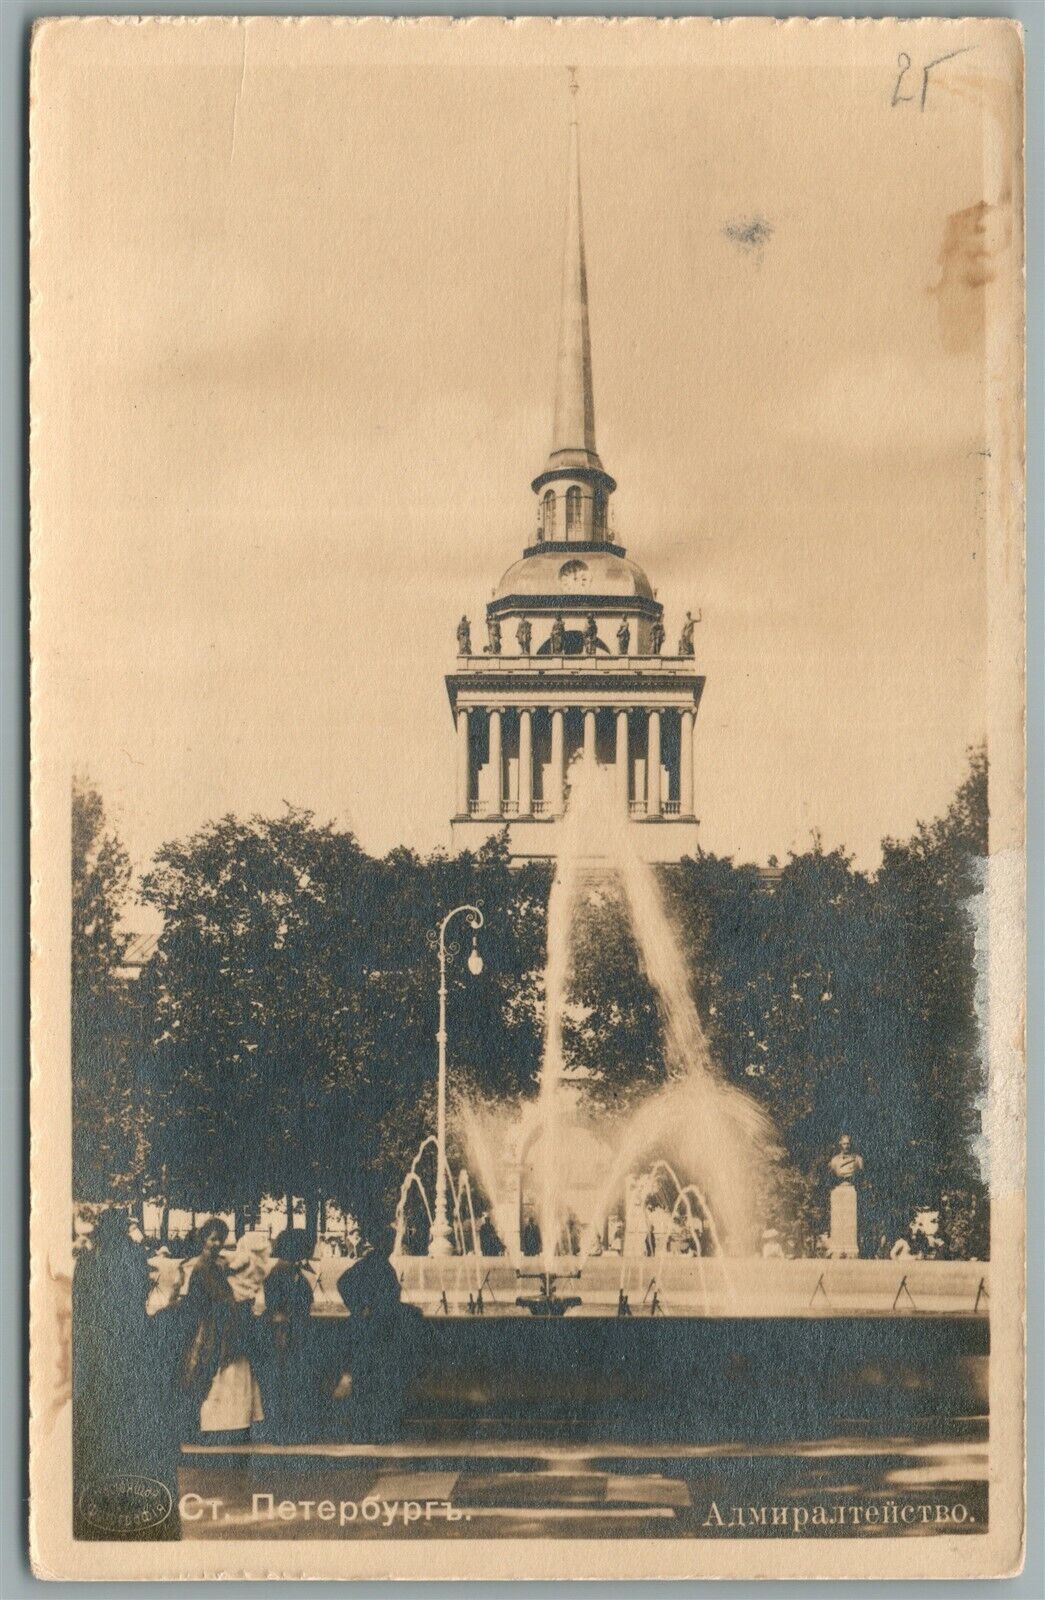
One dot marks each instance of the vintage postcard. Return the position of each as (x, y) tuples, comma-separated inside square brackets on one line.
[(527, 798)]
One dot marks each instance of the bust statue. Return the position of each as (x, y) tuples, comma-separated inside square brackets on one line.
[(591, 634), (524, 635), (493, 629), (558, 637), (845, 1164), (623, 637), (464, 637), (656, 638), (844, 1167)]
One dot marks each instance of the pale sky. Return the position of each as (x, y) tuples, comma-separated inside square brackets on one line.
[(299, 354)]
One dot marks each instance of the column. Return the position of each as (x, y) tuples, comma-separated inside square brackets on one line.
[(558, 773), (589, 737), (653, 808), (525, 762), (622, 760), (463, 763), (686, 764), (496, 764)]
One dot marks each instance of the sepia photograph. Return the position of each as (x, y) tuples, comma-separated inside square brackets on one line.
[(527, 798)]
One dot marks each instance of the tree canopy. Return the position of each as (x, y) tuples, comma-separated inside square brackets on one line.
[(282, 1037), (109, 1112)]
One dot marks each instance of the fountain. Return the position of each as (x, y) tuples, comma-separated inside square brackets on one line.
[(548, 1303), (555, 1212), (601, 1199), (654, 1211)]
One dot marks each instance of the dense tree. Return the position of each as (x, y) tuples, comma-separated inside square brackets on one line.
[(292, 1010), (109, 1121), (928, 886), (294, 1005), (257, 994), (845, 1002)]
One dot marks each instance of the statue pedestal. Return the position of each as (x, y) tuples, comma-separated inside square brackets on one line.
[(844, 1240)]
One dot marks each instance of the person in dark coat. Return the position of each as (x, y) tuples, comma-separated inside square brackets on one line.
[(530, 1236), (122, 1423), (489, 1239), (289, 1368), (385, 1348)]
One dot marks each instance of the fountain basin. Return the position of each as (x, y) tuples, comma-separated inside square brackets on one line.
[(683, 1381), (690, 1286), (725, 1378)]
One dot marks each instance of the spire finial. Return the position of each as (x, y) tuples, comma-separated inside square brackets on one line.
[(573, 454), (573, 436)]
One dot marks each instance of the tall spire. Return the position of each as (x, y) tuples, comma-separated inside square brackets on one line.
[(573, 435)]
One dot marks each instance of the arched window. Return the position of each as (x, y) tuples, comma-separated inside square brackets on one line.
[(549, 514), (573, 509), (599, 515)]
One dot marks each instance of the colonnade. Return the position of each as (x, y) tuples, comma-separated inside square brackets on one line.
[(635, 747)]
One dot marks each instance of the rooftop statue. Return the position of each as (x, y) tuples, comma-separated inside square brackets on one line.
[(558, 637), (464, 637), (656, 638), (524, 634), (493, 629), (591, 634), (623, 637), (686, 636)]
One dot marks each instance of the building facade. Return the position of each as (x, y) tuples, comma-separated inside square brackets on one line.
[(573, 657)]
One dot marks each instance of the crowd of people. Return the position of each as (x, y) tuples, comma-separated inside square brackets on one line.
[(222, 1347)]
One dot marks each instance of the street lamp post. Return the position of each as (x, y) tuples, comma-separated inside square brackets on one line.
[(439, 1243)]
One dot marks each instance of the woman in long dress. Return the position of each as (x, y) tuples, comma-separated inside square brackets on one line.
[(215, 1372)]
